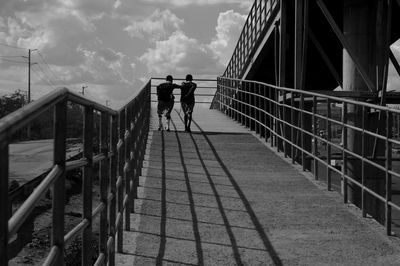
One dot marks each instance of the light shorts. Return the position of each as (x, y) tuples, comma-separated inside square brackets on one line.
[(165, 106), (187, 107)]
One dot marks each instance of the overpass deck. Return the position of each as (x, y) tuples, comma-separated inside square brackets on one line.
[(221, 196)]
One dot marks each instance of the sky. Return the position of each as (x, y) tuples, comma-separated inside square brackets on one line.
[(114, 47)]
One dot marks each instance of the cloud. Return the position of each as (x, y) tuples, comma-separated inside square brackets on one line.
[(157, 26), (180, 54), (228, 30), (181, 3)]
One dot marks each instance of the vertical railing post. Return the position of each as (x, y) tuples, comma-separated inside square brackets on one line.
[(87, 185), (242, 109), (344, 153), (60, 121), (315, 132), (328, 144), (363, 154), (292, 123), (113, 190), (127, 167), (258, 114), (388, 208), (137, 118), (121, 178), (302, 135), (285, 151), (4, 163), (104, 130)]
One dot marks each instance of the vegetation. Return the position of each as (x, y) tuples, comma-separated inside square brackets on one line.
[(41, 127)]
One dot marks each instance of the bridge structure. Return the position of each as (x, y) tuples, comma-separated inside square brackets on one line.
[(303, 102)]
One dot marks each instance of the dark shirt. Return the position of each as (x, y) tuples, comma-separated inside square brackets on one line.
[(187, 92), (164, 91)]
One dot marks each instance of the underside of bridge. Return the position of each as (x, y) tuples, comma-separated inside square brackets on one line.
[(319, 56), (321, 45)]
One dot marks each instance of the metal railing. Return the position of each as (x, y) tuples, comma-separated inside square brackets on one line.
[(313, 130), (205, 90), (122, 143), (258, 22)]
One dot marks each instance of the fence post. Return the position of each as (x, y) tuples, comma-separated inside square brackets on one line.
[(4, 154), (104, 130), (60, 121), (120, 182), (388, 208), (302, 135), (344, 155), (328, 145), (87, 185), (113, 190), (315, 133), (127, 167)]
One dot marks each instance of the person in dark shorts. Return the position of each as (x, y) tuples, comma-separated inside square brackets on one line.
[(165, 99), (187, 100)]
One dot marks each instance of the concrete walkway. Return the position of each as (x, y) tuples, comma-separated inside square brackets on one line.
[(219, 196)]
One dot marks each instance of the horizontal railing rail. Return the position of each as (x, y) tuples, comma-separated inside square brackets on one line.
[(313, 130), (257, 23), (122, 142), (205, 91)]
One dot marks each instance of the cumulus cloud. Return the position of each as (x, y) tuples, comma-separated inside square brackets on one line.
[(180, 3), (179, 54), (157, 26), (228, 30)]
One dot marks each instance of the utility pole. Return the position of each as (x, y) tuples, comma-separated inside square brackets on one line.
[(83, 89), (29, 73), (28, 131)]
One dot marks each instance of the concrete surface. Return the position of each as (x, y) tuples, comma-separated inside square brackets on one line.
[(29, 159), (216, 197)]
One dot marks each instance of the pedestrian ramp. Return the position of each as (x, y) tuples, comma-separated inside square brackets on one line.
[(222, 196)]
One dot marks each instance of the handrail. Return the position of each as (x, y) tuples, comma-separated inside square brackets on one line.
[(123, 136), (258, 21), (205, 91), (291, 120)]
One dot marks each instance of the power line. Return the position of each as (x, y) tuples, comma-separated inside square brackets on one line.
[(51, 70), (46, 76), (12, 46), (42, 78), (10, 56), (13, 61)]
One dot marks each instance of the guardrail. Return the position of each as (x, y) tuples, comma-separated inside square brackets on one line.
[(204, 93), (123, 136), (259, 20), (313, 130)]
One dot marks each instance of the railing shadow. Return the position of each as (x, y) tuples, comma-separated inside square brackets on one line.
[(257, 225)]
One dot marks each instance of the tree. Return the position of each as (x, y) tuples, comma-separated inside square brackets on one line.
[(10, 103)]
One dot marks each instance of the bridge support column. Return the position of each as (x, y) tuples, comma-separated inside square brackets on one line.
[(363, 33)]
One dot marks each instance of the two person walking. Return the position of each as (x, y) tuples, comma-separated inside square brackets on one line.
[(166, 100)]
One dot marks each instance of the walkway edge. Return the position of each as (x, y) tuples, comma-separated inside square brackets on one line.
[(336, 196)]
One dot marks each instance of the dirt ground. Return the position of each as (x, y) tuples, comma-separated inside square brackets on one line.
[(32, 243)]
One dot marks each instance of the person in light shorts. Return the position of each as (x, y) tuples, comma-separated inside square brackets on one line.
[(165, 99), (187, 100)]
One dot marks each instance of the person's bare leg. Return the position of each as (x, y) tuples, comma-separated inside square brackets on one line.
[(160, 122)]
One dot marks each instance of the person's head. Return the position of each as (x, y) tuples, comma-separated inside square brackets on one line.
[(189, 77), (169, 78)]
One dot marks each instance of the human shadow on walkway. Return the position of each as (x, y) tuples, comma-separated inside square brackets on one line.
[(163, 240), (260, 230)]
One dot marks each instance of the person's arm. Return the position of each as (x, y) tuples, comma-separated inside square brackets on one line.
[(158, 89), (191, 90)]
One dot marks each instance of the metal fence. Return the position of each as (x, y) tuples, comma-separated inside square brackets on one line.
[(122, 143), (351, 145), (205, 90), (258, 21)]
